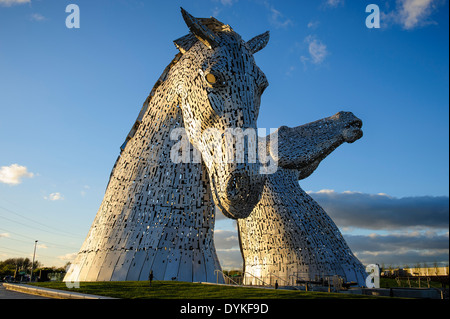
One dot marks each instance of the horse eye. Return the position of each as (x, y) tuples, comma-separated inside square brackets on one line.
[(214, 79), (211, 78)]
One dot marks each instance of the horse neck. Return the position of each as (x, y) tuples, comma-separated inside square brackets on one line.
[(164, 115), (161, 112)]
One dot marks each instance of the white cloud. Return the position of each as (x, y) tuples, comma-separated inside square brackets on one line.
[(4, 235), (317, 51), (13, 174), (9, 3), (326, 191), (227, 2), (226, 239), (411, 14), (68, 257), (313, 24), (414, 12), (223, 3), (54, 197), (230, 259), (334, 3), (227, 248), (37, 17), (84, 191), (276, 18), (290, 70)]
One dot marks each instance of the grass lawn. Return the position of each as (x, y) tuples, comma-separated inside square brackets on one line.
[(185, 290)]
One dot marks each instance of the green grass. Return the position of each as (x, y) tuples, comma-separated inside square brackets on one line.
[(185, 290)]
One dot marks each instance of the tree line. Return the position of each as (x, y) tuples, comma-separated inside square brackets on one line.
[(18, 269)]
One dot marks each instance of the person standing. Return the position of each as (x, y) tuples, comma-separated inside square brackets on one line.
[(150, 277)]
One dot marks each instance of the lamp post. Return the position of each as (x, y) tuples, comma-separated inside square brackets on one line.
[(32, 264)]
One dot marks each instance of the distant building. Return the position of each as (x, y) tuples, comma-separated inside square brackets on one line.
[(416, 271), (427, 271)]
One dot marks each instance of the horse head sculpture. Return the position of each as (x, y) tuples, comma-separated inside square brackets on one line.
[(219, 87), (157, 215)]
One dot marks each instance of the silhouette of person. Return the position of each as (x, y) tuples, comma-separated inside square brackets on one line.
[(150, 277)]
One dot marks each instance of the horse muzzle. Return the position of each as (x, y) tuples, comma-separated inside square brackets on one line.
[(240, 191)]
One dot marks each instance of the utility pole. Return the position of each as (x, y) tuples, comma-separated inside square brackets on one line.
[(32, 264), (15, 272)]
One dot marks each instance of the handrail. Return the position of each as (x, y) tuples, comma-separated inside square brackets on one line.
[(299, 274), (264, 283), (399, 279), (225, 276), (324, 278), (286, 281)]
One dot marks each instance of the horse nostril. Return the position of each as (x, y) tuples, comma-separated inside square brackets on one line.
[(237, 185), (233, 187), (357, 123)]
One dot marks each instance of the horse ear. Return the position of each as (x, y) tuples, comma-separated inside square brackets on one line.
[(205, 35), (259, 42)]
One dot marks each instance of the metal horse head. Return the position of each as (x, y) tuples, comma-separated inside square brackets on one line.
[(219, 87)]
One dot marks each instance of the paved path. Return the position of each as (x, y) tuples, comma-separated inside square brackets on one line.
[(8, 294)]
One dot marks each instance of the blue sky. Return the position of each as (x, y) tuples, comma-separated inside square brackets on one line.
[(68, 97)]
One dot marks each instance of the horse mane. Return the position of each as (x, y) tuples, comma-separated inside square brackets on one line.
[(183, 44), (146, 104)]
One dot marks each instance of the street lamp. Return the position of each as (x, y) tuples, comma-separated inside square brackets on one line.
[(32, 264)]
